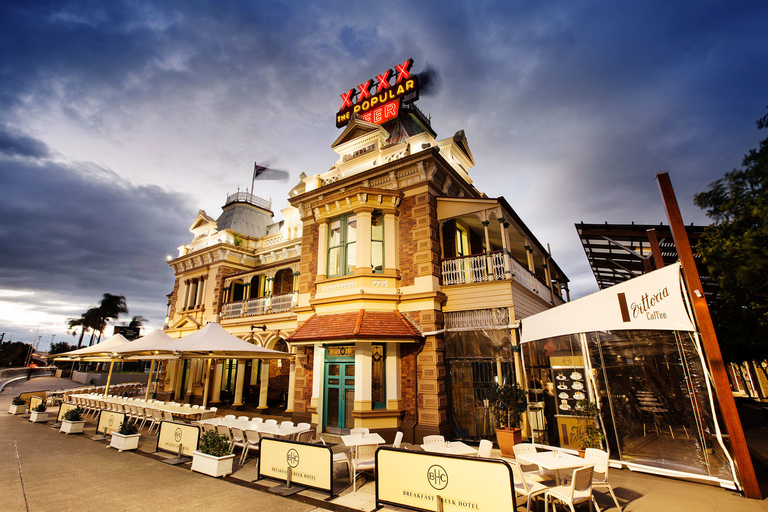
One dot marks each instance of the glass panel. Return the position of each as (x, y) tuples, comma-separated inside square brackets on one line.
[(340, 351), (658, 403), (333, 369), (333, 261), (352, 228), (377, 225), (349, 403), (333, 382), (334, 233), (349, 370), (377, 256), (351, 258), (333, 407), (377, 377)]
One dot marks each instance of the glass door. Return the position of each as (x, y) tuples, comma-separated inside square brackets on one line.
[(339, 395)]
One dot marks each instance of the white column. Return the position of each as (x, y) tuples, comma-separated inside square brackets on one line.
[(187, 289), (255, 372), (291, 387), (264, 384), (390, 242), (505, 244), (488, 262), (200, 289), (170, 375), (239, 383), (216, 397), (179, 374), (322, 248), (392, 369), (363, 373), (192, 377)]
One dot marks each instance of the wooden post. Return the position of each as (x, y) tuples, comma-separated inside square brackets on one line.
[(655, 249), (712, 352)]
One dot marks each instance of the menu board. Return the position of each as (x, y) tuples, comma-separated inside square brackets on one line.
[(570, 387)]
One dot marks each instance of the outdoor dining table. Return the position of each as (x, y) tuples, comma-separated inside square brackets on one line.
[(284, 432), (450, 448), (555, 461), (176, 410), (360, 439)]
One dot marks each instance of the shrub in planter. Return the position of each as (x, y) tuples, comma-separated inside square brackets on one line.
[(587, 432), (509, 403), (39, 414), (18, 406), (72, 422), (214, 456), (126, 437)]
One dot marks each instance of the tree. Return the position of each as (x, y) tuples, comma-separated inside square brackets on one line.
[(735, 251), (110, 309), (75, 323), (137, 321), (60, 347)]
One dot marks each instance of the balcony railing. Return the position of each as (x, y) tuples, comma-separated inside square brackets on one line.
[(490, 267), (261, 306)]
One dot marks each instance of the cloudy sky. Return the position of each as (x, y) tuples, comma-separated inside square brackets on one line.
[(120, 119)]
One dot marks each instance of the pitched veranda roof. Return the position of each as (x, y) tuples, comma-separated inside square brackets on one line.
[(344, 327)]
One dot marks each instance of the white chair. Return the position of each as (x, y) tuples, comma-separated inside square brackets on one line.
[(244, 418), (398, 440), (531, 470), (359, 431), (286, 424), (270, 422), (484, 450), (238, 439), (195, 406), (224, 431), (214, 409), (600, 473), (434, 439), (578, 491), (304, 425), (527, 488), (340, 458), (364, 460), (229, 417), (167, 416), (257, 420), (251, 442), (305, 436), (157, 417), (188, 406)]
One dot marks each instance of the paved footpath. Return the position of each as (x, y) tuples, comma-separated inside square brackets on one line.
[(44, 470)]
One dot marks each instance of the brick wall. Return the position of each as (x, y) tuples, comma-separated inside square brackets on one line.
[(308, 264)]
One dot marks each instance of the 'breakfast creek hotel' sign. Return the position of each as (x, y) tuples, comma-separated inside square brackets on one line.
[(379, 101)]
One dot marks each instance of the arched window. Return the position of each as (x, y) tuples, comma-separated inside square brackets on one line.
[(238, 289), (283, 282)]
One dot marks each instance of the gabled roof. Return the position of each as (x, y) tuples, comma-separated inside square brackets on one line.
[(460, 139), (356, 128), (201, 219), (344, 327)]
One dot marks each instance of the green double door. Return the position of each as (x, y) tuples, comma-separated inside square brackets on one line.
[(339, 395)]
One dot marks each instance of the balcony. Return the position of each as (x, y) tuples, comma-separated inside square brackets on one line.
[(262, 306), (490, 267)]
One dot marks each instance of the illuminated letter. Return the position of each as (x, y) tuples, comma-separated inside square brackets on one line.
[(374, 101), (409, 85), (383, 80), (390, 110), (366, 105), (377, 115), (402, 70), (364, 92), (367, 117), (346, 99), (400, 89)]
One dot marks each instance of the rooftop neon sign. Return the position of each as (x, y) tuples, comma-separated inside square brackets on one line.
[(379, 101)]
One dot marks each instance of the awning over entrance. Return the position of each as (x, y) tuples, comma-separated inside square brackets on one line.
[(379, 326), (653, 301)]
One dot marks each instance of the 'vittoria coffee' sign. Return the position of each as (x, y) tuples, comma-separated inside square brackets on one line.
[(379, 100)]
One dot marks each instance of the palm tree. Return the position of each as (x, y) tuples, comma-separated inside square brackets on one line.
[(74, 323), (93, 320), (137, 321), (110, 308)]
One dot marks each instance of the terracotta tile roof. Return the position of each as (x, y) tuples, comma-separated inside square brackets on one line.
[(361, 324)]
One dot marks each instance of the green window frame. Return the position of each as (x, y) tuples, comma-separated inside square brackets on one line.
[(342, 248)]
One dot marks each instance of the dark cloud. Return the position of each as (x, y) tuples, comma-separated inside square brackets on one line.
[(15, 144), (73, 232)]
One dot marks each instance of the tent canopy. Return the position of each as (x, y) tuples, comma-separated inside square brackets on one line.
[(210, 341), (653, 301), (145, 343), (101, 350)]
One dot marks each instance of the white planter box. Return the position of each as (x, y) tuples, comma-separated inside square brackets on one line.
[(38, 417), (17, 409), (72, 427), (121, 442), (212, 466)]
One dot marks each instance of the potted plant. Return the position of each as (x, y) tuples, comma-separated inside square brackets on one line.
[(214, 457), (587, 433), (509, 403), (38, 414), (18, 406), (126, 437), (72, 422)]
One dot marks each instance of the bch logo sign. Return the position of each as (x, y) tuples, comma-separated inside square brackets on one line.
[(177, 435), (437, 477), (292, 457)]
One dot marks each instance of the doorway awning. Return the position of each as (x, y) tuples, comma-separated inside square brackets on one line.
[(356, 326)]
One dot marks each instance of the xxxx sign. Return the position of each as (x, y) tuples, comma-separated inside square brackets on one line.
[(379, 100)]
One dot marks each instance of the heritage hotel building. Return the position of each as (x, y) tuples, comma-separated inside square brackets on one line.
[(395, 283)]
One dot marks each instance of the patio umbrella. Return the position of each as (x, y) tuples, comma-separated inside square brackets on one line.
[(153, 339)]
